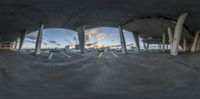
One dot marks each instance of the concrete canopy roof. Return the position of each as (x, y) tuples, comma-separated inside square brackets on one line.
[(154, 28), (19, 15)]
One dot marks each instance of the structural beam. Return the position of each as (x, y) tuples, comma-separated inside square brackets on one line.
[(177, 33), (22, 37), (194, 44), (136, 38), (39, 40), (81, 35), (122, 39)]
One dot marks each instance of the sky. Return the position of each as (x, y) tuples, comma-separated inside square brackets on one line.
[(57, 37)]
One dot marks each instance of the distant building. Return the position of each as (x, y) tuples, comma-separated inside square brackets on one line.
[(6, 45)]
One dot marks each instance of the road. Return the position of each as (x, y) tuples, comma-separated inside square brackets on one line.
[(107, 75)]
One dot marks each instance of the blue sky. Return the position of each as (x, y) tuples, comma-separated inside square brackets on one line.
[(56, 37)]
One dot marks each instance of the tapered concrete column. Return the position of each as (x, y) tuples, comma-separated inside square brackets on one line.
[(198, 45), (194, 44), (22, 37), (163, 42), (13, 45), (177, 34), (159, 46), (167, 46), (136, 38), (39, 40), (145, 46), (16, 43), (81, 35), (170, 34), (122, 39), (184, 44)]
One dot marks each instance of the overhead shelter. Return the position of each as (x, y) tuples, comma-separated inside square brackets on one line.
[(150, 19)]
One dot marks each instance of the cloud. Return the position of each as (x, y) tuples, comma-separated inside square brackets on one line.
[(45, 43), (74, 39), (66, 40), (100, 36), (94, 33), (90, 44), (33, 36), (30, 41), (90, 33), (52, 42)]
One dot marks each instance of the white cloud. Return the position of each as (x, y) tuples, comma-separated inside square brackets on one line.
[(52, 42), (92, 33), (32, 36), (100, 35)]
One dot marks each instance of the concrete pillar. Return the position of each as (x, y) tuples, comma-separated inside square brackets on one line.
[(145, 46), (163, 42), (177, 33), (167, 46), (170, 33), (137, 42), (13, 45), (22, 38), (16, 43), (198, 44), (81, 35), (194, 44), (39, 40), (122, 39), (184, 44), (159, 46)]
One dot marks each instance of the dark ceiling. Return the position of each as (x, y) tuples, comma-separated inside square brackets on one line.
[(19, 15)]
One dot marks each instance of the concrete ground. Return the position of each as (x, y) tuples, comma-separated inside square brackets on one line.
[(108, 75)]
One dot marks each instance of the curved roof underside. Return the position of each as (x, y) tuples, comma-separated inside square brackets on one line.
[(154, 28), (19, 15)]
